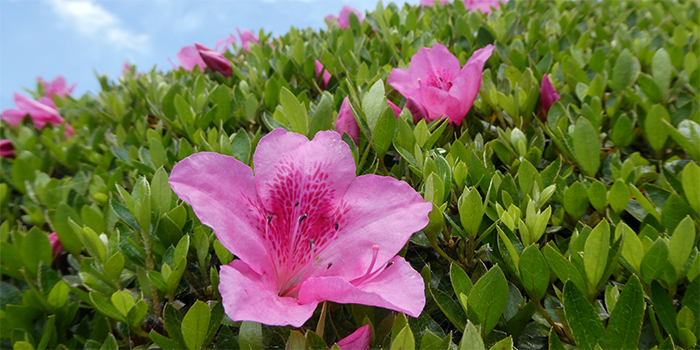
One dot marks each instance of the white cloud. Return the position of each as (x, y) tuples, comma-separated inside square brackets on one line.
[(93, 21)]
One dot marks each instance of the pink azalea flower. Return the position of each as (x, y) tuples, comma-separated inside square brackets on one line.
[(189, 58), (548, 95), (483, 5), (305, 229), (6, 149), (225, 42), (246, 37), (42, 112), (344, 18), (326, 75), (126, 69), (346, 122), (56, 245), (214, 60), (432, 2), (435, 81), (358, 340), (56, 87)]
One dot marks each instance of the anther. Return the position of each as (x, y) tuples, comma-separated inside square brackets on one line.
[(301, 218), (269, 218), (389, 264), (336, 226), (329, 265), (296, 204)]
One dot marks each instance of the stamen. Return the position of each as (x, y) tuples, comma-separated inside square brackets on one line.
[(389, 264), (296, 204), (336, 226), (301, 218), (375, 252), (329, 265), (269, 218)]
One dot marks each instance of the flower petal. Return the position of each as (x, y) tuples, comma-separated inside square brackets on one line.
[(214, 60), (358, 340), (225, 42), (249, 296), (404, 82), (437, 61), (346, 122), (398, 287), (189, 58), (395, 108), (344, 17), (417, 110), (466, 86), (221, 191), (283, 160), (548, 94), (42, 111), (13, 116), (375, 210)]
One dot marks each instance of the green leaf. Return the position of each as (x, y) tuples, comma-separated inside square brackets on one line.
[(625, 324), (625, 71), (163, 342), (404, 340), (451, 309), (664, 309), (595, 254), (655, 130), (598, 196), (384, 132), (460, 280), (619, 196), (294, 111), (503, 344), (534, 272), (487, 299), (661, 69), (471, 340), (681, 244), (563, 268), (691, 185), (471, 212), (195, 324), (576, 200), (36, 247), (123, 301), (585, 325), (431, 341), (374, 104), (654, 260), (183, 110), (161, 193), (675, 210), (586, 146), (323, 116), (58, 295), (250, 336), (632, 248), (66, 235)]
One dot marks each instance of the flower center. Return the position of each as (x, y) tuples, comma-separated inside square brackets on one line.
[(442, 80)]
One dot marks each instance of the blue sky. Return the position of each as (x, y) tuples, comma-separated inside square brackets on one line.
[(46, 38)]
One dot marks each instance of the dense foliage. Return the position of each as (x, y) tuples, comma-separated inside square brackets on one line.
[(572, 227)]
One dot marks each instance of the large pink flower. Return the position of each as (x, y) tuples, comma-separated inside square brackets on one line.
[(436, 82), (246, 38), (305, 228), (483, 5), (322, 71), (358, 340), (41, 112), (344, 18), (189, 57), (56, 87), (548, 95)]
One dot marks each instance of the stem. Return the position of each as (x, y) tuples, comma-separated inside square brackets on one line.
[(383, 166), (543, 312), (322, 320), (149, 267), (434, 244)]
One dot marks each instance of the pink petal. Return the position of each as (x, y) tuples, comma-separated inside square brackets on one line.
[(398, 287), (326, 75), (548, 94), (246, 37), (344, 17), (189, 58), (346, 122), (417, 110), (55, 87), (225, 42), (395, 108), (466, 86), (331, 18), (375, 210), (289, 168), (249, 296), (358, 340), (440, 104), (56, 245), (42, 111), (221, 191), (431, 62), (483, 5), (403, 81), (214, 60), (6, 149), (13, 116)]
